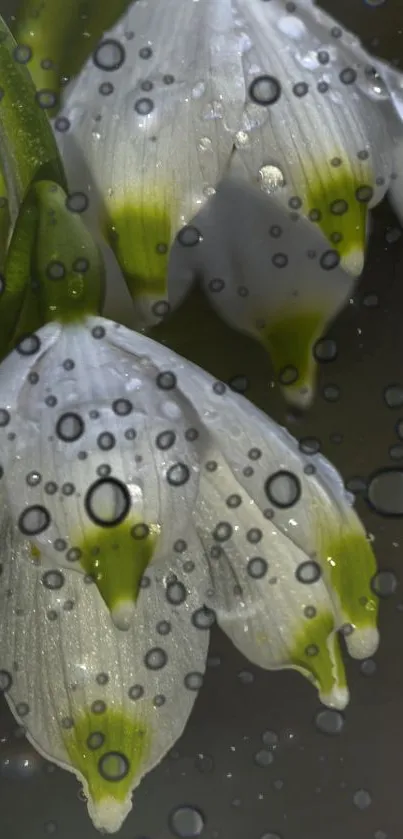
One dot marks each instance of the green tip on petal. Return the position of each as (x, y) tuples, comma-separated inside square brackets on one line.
[(337, 202), (140, 237), (107, 748), (116, 559), (316, 654), (350, 565), (290, 340)]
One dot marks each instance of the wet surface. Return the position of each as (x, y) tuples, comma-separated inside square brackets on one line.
[(260, 758)]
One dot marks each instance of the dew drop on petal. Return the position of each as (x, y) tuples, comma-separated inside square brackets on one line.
[(107, 502), (283, 489), (109, 55), (113, 766)]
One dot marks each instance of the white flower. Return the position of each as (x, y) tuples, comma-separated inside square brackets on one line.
[(139, 494), (277, 99)]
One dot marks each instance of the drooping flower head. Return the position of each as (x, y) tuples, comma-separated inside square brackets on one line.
[(248, 154), (143, 501)]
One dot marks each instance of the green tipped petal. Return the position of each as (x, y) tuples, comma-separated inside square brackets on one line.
[(329, 141), (108, 748), (350, 565), (116, 560), (103, 704), (290, 340), (338, 203), (60, 35), (140, 237), (28, 149), (156, 163), (316, 654)]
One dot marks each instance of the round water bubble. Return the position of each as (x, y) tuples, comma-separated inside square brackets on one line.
[(186, 822)]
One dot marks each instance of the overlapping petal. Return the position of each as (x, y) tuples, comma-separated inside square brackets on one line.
[(307, 116), (157, 133), (95, 456), (103, 704), (280, 99), (302, 496), (225, 516), (272, 276)]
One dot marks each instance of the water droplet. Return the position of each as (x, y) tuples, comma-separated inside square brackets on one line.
[(362, 799), (270, 739), (329, 721), (283, 489), (264, 757), (385, 492), (186, 822), (271, 178), (368, 667), (393, 396), (384, 583)]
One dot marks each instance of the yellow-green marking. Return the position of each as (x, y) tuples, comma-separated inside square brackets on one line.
[(140, 237), (108, 749), (349, 564), (338, 203), (116, 559), (290, 340), (316, 651)]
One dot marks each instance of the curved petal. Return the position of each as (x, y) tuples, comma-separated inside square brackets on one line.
[(307, 116), (302, 494), (179, 99), (272, 277), (260, 598), (100, 703), (99, 472)]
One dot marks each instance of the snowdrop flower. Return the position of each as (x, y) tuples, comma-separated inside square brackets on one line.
[(278, 99), (141, 501)]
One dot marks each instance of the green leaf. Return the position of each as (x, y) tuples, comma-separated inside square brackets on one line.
[(63, 34), (54, 270), (28, 150), (4, 219)]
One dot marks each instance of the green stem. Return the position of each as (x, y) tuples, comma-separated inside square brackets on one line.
[(62, 34), (4, 219), (28, 150)]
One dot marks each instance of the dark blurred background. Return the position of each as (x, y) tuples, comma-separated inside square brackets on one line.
[(313, 785)]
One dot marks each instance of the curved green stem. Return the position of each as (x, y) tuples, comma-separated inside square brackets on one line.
[(28, 150), (4, 219), (61, 35)]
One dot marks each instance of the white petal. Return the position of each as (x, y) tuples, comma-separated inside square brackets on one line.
[(304, 495), (272, 277), (157, 146), (92, 699), (324, 134), (99, 472), (270, 614)]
